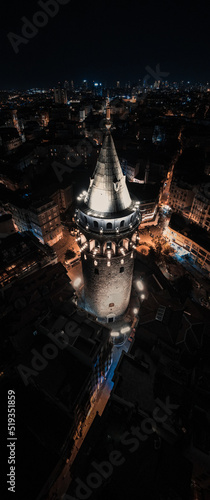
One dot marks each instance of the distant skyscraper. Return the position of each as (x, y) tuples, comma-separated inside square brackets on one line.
[(84, 85), (66, 85), (60, 96), (107, 221), (118, 84)]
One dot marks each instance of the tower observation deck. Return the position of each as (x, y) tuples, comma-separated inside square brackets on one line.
[(107, 220)]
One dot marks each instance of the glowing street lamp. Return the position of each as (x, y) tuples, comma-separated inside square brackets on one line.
[(77, 282), (140, 285), (115, 334), (125, 329)]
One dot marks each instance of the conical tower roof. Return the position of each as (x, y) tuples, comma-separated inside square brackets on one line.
[(108, 192)]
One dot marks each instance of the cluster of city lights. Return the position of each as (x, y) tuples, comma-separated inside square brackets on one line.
[(123, 330), (82, 196), (83, 247), (132, 245), (95, 251)]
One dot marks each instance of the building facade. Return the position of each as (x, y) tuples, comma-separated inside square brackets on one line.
[(191, 242), (60, 96), (107, 220), (180, 197), (41, 218), (200, 210)]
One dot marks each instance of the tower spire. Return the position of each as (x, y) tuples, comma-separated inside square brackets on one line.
[(108, 192), (108, 113)]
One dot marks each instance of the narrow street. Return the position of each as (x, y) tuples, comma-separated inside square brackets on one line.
[(98, 405)]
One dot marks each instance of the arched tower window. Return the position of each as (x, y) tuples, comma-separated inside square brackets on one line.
[(109, 225), (109, 245), (122, 269), (95, 223), (122, 223)]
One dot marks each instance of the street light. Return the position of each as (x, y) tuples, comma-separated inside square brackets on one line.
[(125, 329), (77, 282), (115, 334), (140, 285)]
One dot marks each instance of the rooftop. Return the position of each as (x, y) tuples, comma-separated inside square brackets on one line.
[(191, 231)]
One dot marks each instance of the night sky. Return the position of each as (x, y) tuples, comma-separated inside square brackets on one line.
[(106, 41)]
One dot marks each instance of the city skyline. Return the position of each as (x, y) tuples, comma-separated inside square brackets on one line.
[(106, 44)]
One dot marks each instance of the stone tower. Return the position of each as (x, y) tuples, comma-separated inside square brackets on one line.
[(107, 220)]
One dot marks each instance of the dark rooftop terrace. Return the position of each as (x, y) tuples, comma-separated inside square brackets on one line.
[(191, 231)]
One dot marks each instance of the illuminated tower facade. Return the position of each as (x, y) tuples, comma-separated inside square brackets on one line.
[(107, 220)]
